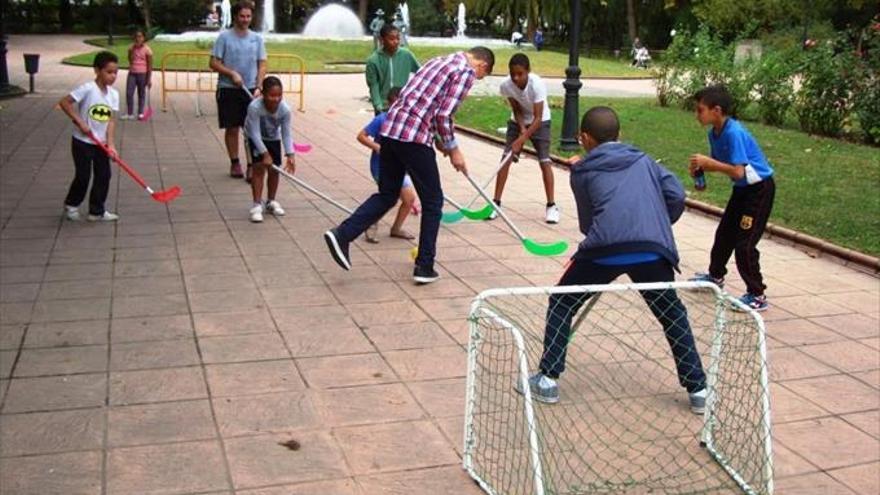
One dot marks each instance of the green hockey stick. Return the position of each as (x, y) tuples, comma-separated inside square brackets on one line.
[(462, 212), (455, 216), (536, 248)]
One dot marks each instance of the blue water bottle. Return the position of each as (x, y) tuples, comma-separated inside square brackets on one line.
[(700, 180)]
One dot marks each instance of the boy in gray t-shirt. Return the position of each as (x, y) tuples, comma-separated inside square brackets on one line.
[(239, 56)]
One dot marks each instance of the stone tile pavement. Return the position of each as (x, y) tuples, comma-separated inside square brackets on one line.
[(176, 351)]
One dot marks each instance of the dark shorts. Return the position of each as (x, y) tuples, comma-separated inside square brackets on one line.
[(274, 148), (540, 139), (232, 104)]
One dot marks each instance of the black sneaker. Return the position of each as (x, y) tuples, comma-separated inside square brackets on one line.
[(338, 249), (424, 275)]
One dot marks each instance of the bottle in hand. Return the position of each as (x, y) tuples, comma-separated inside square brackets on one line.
[(700, 180)]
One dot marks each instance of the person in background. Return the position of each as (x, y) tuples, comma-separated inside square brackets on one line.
[(390, 66), (140, 71)]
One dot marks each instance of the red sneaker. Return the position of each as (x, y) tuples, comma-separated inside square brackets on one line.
[(235, 171)]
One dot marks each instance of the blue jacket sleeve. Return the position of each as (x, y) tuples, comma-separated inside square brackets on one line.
[(673, 193)]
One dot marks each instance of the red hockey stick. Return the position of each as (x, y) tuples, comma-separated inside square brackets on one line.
[(160, 196)]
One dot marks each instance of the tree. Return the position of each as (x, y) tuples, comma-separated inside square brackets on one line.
[(631, 20), (65, 16), (510, 10), (362, 10), (146, 13), (749, 17)]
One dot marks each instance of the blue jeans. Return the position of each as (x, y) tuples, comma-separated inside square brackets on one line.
[(399, 158), (664, 304)]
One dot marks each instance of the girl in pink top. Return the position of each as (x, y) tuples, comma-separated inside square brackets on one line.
[(140, 68)]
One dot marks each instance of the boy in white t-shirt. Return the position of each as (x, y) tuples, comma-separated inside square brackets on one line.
[(91, 107), (529, 121)]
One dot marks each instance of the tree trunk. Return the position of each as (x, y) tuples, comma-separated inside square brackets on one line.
[(257, 15), (533, 15), (145, 11), (362, 11), (65, 16), (631, 20)]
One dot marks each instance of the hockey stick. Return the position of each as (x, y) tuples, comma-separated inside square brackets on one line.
[(296, 180), (536, 248), (160, 196), (455, 216)]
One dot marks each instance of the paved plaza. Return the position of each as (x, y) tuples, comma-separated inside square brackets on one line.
[(178, 350)]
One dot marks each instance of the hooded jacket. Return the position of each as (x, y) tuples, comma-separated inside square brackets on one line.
[(626, 203)]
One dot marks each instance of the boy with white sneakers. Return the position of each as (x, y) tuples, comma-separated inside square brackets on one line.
[(268, 128), (91, 107), (529, 121)]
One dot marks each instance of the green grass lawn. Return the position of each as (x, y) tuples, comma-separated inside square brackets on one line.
[(825, 187), (318, 53)]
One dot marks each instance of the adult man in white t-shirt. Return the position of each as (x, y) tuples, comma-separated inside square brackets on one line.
[(529, 121)]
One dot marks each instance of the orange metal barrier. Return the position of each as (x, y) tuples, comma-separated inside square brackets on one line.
[(287, 67)]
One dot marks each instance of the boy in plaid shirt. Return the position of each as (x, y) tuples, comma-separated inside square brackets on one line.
[(424, 109)]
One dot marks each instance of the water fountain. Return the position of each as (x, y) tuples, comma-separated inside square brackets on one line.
[(334, 21), (268, 16), (462, 21), (337, 21)]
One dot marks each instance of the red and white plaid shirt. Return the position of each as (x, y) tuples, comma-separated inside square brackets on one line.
[(428, 100)]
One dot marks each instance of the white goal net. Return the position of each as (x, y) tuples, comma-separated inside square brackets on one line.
[(622, 423)]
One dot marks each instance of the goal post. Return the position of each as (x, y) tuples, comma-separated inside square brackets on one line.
[(622, 423)]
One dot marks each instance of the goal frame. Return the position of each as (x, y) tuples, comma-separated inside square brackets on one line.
[(722, 299)]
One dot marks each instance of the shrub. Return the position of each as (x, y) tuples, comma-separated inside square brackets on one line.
[(823, 102), (773, 83), (867, 92), (693, 61)]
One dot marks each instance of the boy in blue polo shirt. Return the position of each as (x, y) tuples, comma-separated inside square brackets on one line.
[(735, 153)]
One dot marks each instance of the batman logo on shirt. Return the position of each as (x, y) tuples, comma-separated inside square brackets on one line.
[(100, 112)]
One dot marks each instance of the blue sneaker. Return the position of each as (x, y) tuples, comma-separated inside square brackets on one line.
[(705, 277), (544, 389), (758, 303)]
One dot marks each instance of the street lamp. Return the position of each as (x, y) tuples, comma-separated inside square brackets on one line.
[(572, 84), (4, 72)]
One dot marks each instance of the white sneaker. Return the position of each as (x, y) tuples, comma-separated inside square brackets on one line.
[(126, 116), (274, 208), (72, 213), (140, 116), (105, 217), (256, 214), (552, 215)]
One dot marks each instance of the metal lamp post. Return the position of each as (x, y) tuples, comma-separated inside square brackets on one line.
[(4, 71), (572, 84)]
